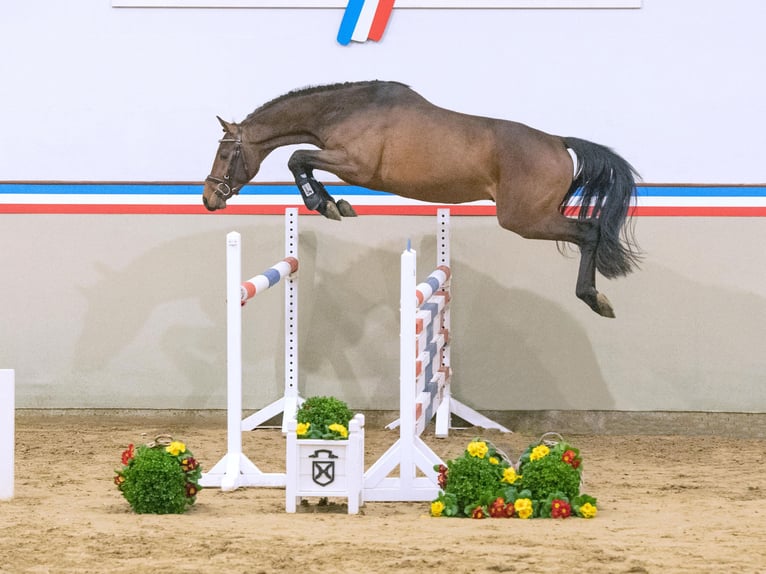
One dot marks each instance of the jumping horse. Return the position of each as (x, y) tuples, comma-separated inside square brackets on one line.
[(386, 137)]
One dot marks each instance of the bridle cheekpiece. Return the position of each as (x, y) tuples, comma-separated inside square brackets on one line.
[(224, 188)]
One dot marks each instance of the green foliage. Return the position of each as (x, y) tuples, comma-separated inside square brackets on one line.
[(472, 480), (159, 479), (322, 412), (550, 475), (481, 483), (581, 501), (155, 483)]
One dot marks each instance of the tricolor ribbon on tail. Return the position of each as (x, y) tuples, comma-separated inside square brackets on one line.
[(364, 20)]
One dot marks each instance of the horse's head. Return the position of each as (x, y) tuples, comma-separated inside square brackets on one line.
[(231, 170)]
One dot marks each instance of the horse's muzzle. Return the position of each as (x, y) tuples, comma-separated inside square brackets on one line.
[(213, 202)]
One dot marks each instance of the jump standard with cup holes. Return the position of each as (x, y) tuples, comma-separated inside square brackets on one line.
[(235, 469)]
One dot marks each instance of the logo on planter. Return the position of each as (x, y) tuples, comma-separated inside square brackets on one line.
[(323, 468)]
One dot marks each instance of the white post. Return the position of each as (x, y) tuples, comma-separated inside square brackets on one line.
[(407, 309), (231, 476), (409, 452), (292, 398), (449, 404), (7, 433), (288, 403)]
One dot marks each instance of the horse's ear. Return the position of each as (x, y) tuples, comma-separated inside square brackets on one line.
[(227, 127)]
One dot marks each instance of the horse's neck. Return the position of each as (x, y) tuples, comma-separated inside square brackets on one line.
[(283, 123)]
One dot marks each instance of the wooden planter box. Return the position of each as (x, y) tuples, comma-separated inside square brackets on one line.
[(325, 468)]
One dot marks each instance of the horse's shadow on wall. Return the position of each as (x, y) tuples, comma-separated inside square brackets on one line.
[(511, 350), (171, 328)]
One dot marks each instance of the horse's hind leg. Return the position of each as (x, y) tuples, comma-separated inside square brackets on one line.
[(302, 164), (583, 233), (586, 276)]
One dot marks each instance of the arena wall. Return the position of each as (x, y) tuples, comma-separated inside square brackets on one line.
[(126, 310)]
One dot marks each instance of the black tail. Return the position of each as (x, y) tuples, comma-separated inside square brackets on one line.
[(607, 187)]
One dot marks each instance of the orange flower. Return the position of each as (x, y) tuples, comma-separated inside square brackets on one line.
[(128, 454)]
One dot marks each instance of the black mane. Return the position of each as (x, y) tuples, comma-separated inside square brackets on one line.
[(321, 88)]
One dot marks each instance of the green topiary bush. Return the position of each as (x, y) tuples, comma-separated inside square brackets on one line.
[(159, 479), (323, 418), (550, 474)]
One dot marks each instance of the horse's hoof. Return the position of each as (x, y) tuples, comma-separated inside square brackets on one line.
[(603, 307), (345, 208), (331, 211)]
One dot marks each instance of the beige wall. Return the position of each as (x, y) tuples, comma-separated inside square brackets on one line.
[(128, 312)]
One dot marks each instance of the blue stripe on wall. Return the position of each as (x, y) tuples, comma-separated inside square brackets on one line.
[(289, 189)]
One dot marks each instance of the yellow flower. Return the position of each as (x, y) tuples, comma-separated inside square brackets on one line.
[(175, 448), (477, 448), (587, 510), (437, 507), (302, 429), (539, 452), (523, 507), (510, 476), (340, 429), (493, 460)]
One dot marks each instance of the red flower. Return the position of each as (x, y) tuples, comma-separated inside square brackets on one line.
[(127, 454), (478, 512), (119, 479), (570, 457), (509, 510), (560, 509), (188, 464), (191, 489), (497, 509), (442, 478)]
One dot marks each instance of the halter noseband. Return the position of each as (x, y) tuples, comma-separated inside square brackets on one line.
[(223, 188)]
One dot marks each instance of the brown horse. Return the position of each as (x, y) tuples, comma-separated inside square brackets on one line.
[(384, 136)]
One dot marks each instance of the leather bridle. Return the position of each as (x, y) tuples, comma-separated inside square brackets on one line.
[(225, 188)]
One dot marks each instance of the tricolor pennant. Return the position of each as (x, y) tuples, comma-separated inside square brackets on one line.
[(364, 20)]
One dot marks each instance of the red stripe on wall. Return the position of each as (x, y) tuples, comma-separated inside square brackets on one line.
[(648, 211), (232, 209)]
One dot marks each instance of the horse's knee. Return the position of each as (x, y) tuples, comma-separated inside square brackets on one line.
[(298, 162)]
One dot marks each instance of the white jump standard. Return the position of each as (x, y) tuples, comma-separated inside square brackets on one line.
[(235, 470), (424, 381), (7, 432)]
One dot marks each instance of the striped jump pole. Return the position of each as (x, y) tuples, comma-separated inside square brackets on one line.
[(424, 381), (7, 432), (235, 470)]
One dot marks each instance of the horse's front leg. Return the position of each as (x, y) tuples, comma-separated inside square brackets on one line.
[(302, 164)]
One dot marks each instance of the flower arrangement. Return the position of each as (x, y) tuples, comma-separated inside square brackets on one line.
[(161, 477), (544, 484), (323, 418)]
